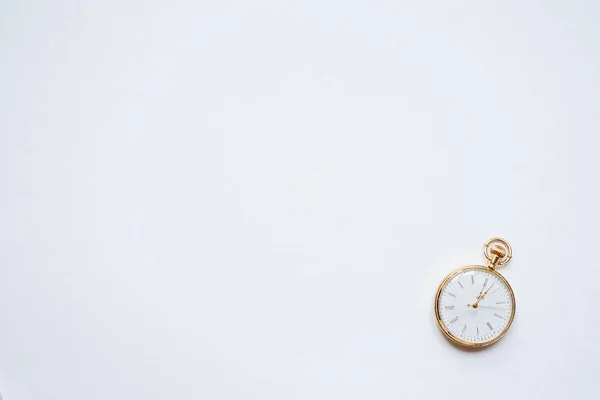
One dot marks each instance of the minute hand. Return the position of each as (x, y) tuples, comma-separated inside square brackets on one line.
[(481, 297), (503, 308)]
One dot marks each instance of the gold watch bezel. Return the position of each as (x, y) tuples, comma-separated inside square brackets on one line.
[(443, 328)]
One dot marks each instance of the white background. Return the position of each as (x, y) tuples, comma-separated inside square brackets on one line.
[(258, 199)]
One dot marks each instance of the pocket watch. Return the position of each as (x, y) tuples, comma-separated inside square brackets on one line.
[(475, 305)]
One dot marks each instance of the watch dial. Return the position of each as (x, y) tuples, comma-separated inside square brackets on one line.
[(475, 305)]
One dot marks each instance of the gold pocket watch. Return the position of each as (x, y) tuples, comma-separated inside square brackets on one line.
[(475, 305)]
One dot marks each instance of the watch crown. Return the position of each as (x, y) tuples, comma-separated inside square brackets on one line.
[(498, 251)]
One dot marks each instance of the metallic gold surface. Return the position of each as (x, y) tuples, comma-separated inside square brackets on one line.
[(497, 255), (496, 258)]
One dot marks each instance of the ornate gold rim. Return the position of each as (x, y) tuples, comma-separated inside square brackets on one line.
[(438, 318)]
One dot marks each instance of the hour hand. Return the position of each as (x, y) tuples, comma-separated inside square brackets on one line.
[(482, 296)]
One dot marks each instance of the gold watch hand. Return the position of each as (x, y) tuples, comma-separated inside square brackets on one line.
[(474, 305), (486, 292), (471, 305), (481, 297), (481, 291)]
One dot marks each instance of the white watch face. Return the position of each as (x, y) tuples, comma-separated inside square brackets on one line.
[(476, 305)]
